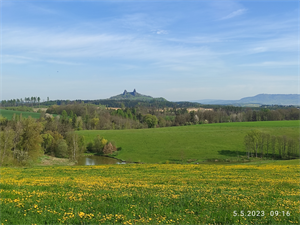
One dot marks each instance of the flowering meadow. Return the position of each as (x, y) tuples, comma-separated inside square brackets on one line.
[(152, 193)]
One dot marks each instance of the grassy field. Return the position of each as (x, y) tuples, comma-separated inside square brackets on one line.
[(267, 193), (195, 143), (9, 114)]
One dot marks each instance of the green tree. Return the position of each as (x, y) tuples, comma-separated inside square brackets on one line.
[(79, 123), (98, 145), (6, 144), (61, 149), (248, 144), (161, 122), (261, 144), (75, 145), (150, 120), (280, 146), (87, 121), (284, 146), (252, 141), (293, 149), (273, 145), (48, 139), (74, 118), (39, 99), (71, 114), (64, 116), (268, 143), (51, 146), (94, 122), (31, 138), (3, 120), (18, 131)]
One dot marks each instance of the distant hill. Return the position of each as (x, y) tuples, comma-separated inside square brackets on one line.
[(134, 96), (260, 99)]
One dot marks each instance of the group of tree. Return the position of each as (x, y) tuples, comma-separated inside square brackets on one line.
[(264, 145), (101, 146), (24, 140), (17, 102)]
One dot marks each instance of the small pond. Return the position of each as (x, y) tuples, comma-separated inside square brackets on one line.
[(97, 160)]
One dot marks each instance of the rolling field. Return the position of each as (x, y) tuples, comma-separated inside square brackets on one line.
[(9, 114), (189, 143), (152, 193)]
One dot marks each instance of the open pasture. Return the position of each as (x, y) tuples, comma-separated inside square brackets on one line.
[(9, 114), (152, 193), (194, 143)]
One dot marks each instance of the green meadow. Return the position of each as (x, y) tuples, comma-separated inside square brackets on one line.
[(196, 143), (9, 114)]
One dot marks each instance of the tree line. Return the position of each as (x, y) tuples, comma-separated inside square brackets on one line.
[(264, 145), (30, 101), (20, 101), (89, 116)]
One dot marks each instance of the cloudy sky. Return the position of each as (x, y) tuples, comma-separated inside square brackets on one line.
[(180, 50)]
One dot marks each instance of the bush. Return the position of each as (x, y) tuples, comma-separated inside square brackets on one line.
[(109, 148), (61, 150), (89, 147), (98, 145)]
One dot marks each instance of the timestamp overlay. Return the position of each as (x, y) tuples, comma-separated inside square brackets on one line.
[(257, 213), (264, 216)]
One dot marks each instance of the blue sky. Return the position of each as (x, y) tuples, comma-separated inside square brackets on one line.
[(180, 50)]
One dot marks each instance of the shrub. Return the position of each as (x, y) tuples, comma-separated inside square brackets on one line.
[(109, 148), (61, 150)]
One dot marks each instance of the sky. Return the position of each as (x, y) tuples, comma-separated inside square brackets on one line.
[(180, 50)]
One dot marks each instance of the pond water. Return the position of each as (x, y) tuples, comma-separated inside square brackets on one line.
[(97, 160)]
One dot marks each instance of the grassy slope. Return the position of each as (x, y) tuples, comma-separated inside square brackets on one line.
[(9, 114), (199, 142)]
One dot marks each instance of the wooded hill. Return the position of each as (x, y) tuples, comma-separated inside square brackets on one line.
[(260, 99), (135, 96)]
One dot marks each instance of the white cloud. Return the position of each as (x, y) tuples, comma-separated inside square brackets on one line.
[(65, 47), (40, 10), (18, 59), (234, 14), (161, 32), (272, 64), (258, 50)]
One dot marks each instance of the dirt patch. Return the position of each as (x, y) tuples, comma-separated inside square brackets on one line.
[(113, 108), (42, 109), (53, 161), (196, 109)]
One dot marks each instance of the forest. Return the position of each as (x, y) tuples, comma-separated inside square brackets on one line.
[(88, 116)]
